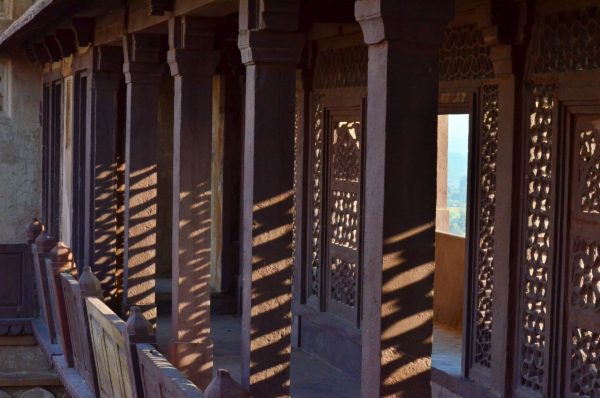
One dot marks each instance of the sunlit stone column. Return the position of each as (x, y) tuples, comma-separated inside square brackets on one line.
[(193, 62), (400, 193), (105, 79), (270, 49), (143, 69)]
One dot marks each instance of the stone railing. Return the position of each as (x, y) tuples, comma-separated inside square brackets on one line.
[(95, 352)]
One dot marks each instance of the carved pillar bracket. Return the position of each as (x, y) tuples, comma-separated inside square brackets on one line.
[(193, 62), (270, 48), (399, 228), (143, 69), (107, 73)]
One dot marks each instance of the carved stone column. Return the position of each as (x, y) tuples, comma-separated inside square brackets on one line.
[(193, 62), (400, 193), (143, 69), (106, 77), (270, 50)]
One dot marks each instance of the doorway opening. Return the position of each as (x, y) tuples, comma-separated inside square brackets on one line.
[(451, 238)]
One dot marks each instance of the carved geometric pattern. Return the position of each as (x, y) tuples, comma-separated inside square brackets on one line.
[(341, 67), (570, 41), (487, 212), (316, 198), (588, 148), (346, 152), (343, 281), (585, 292), (344, 219), (464, 55), (585, 364), (297, 118), (538, 245)]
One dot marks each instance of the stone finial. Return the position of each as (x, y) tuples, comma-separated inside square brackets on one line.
[(33, 230), (62, 256), (224, 386), (89, 284), (138, 327), (45, 243)]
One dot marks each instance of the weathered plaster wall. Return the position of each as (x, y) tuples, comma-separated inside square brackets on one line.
[(20, 148)]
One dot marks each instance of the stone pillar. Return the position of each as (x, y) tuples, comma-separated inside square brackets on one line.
[(193, 62), (270, 49), (143, 68), (106, 77), (400, 193)]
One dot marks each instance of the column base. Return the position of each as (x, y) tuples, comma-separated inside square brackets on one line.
[(195, 360)]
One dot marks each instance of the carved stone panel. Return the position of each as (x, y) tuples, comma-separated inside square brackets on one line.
[(585, 363), (568, 41), (341, 68), (343, 225), (316, 198), (582, 289), (464, 55), (488, 150), (536, 265), (334, 178)]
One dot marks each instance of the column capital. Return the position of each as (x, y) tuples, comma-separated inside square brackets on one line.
[(393, 20), (107, 68), (142, 55), (192, 63), (108, 59), (275, 15), (192, 33), (192, 47), (270, 47), (269, 32)]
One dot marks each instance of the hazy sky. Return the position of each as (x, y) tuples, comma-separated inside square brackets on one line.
[(458, 134)]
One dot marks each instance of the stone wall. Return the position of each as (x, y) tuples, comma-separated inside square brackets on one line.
[(449, 280), (20, 145)]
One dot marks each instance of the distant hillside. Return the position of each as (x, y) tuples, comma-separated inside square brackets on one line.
[(457, 191), (457, 167)]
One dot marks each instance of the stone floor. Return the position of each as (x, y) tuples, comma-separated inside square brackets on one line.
[(25, 371), (310, 376), (447, 350)]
